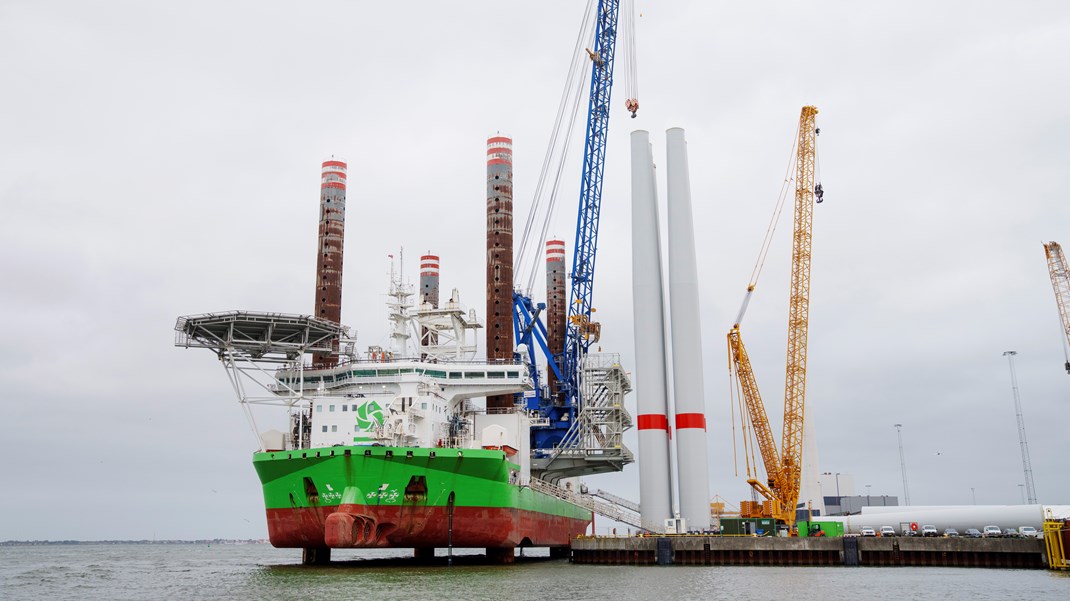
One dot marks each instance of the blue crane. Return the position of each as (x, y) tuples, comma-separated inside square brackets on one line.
[(582, 331)]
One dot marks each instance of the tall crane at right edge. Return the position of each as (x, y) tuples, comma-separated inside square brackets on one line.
[(1060, 282), (783, 470)]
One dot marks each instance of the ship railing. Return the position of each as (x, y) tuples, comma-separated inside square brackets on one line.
[(415, 359)]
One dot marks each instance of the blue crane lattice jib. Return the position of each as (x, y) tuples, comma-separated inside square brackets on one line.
[(583, 260), (528, 328)]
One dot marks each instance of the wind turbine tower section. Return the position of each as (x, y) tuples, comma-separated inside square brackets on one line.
[(689, 399), (651, 383)]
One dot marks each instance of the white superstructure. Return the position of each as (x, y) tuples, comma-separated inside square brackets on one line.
[(407, 403)]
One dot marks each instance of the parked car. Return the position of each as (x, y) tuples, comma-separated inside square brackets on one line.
[(887, 531), (1028, 532), (929, 530), (951, 533), (992, 532), (868, 531), (972, 533), (1010, 533)]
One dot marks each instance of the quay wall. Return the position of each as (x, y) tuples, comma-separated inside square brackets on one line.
[(847, 551)]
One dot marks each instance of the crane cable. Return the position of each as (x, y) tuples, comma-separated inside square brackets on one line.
[(774, 220), (631, 67), (1059, 317), (557, 146)]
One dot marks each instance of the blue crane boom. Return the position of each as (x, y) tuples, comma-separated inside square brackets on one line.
[(582, 331)]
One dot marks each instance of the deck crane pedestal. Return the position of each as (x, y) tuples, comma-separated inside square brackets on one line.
[(783, 469)]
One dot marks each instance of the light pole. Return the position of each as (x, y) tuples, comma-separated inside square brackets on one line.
[(867, 494), (839, 499), (903, 465), (1027, 466), (974, 495), (1021, 487)]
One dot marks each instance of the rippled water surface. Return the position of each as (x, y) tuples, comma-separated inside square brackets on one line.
[(192, 571)]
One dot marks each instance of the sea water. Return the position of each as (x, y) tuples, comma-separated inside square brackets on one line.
[(261, 572)]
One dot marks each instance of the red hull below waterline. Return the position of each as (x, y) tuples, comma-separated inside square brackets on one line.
[(363, 526)]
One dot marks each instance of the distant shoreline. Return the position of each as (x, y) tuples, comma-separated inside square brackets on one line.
[(213, 541)]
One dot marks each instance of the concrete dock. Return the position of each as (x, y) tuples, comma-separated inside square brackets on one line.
[(847, 551)]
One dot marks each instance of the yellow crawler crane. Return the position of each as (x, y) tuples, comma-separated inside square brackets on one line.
[(1060, 281), (783, 470)]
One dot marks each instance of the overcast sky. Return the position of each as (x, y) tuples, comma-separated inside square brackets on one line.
[(162, 159)]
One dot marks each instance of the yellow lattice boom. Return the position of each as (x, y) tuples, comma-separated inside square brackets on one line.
[(798, 311), (784, 469), (1060, 282)]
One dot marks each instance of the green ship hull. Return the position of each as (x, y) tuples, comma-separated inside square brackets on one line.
[(375, 497)]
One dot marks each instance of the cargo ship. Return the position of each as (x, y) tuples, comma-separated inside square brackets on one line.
[(416, 443), (399, 456), (381, 450)]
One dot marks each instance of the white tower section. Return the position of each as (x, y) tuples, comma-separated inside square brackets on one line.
[(689, 398), (655, 491)]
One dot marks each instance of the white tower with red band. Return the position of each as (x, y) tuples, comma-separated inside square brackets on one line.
[(689, 401), (651, 385)]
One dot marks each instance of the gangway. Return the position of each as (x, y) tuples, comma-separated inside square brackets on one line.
[(610, 510), (614, 499)]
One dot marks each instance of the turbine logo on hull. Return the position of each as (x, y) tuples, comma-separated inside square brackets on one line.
[(369, 416)]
